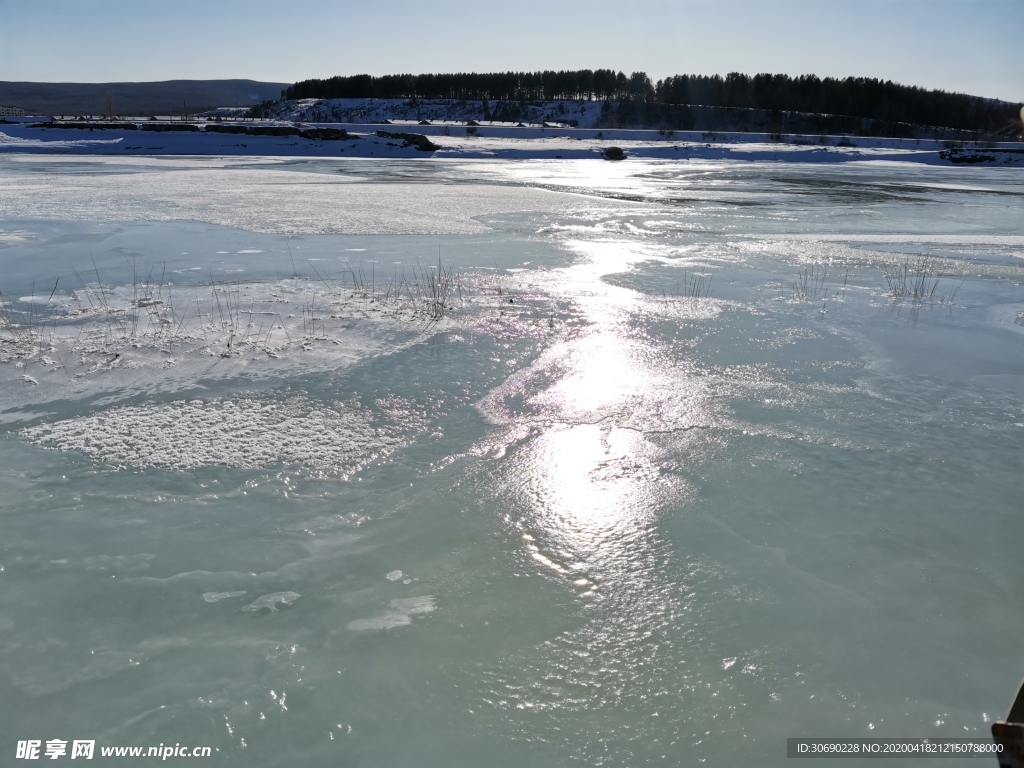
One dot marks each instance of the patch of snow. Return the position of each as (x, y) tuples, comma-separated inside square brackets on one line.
[(213, 597), (400, 613), (244, 433), (270, 603)]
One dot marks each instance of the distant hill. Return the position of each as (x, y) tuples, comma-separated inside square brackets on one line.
[(135, 98)]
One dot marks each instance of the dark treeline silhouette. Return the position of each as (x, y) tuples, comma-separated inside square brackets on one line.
[(859, 97)]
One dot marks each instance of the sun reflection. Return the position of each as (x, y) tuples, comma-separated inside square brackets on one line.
[(592, 492), (601, 375), (609, 410)]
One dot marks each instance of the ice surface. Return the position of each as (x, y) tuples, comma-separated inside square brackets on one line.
[(399, 615), (679, 475), (284, 202), (272, 602), (165, 337)]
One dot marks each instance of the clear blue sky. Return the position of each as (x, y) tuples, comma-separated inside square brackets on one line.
[(972, 46)]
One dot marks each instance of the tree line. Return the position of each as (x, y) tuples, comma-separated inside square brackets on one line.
[(859, 97)]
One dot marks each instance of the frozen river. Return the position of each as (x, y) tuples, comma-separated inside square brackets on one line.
[(549, 463)]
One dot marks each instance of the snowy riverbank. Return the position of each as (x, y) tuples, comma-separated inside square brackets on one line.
[(501, 142)]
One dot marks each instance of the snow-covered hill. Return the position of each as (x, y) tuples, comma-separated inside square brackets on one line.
[(585, 114), (606, 115)]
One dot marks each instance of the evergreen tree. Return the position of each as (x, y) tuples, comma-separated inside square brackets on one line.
[(642, 100)]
